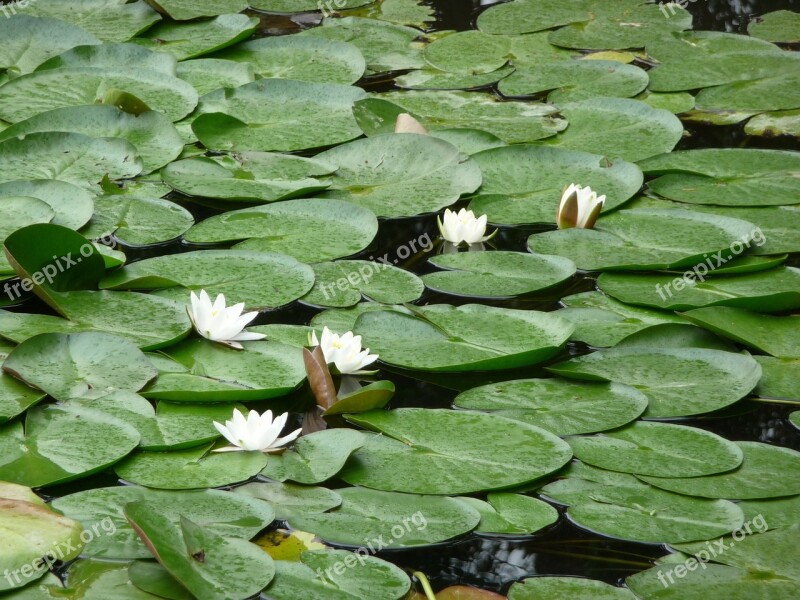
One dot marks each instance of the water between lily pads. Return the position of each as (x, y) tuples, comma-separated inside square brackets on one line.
[(494, 562)]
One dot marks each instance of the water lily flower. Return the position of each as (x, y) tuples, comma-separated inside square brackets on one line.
[(343, 351), (255, 433), (220, 324), (463, 226), (579, 207)]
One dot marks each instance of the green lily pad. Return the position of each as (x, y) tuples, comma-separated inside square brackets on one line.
[(250, 176), (431, 79), (775, 513), (385, 46), (402, 520), (576, 588), (370, 397), (209, 74), (646, 239), (674, 102), (512, 514), (29, 41), (778, 336), (406, 12), (523, 184), (15, 396), (302, 58), (397, 175), (778, 26), (151, 577), (658, 449), (602, 322), (411, 454), (346, 282), (81, 365), (72, 205), (778, 92), (315, 457), (264, 115), (770, 124), (726, 176), (209, 565), (194, 468), (561, 407), (152, 134), (677, 381), (781, 378), (109, 20), (190, 40), (572, 80), (70, 157), (224, 513), (184, 10), (512, 122), (339, 228), (319, 577), (628, 509), (292, 500), (618, 127), (259, 279), (466, 338), (497, 274), (31, 530), (61, 444), (766, 472), (767, 291), (299, 6), (200, 371), (17, 212), (528, 16)]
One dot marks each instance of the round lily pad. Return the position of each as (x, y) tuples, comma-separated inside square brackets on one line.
[(576, 588), (497, 274), (109, 20), (511, 514), (472, 337), (346, 282), (658, 449), (315, 457), (366, 515), (72, 205), (189, 40), (562, 407), (290, 499), (413, 456)]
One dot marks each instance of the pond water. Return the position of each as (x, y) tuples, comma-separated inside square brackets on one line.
[(494, 562)]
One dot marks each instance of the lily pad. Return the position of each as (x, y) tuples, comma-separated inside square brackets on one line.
[(497, 274), (398, 175), (87, 365), (200, 371), (15, 396), (778, 26), (298, 6), (677, 381), (109, 20), (184, 10), (618, 127), (778, 92), (781, 378), (209, 565), (658, 449), (767, 291), (346, 282), (209, 74), (466, 338), (248, 177), (522, 184), (291, 500), (561, 407), (259, 279), (576, 588), (72, 205), (401, 520), (315, 457), (726, 176), (769, 124), (264, 115), (511, 514), (301, 57), (766, 472), (432, 79), (339, 228), (194, 468), (646, 239), (190, 40), (152, 134), (224, 513), (61, 444), (411, 455)]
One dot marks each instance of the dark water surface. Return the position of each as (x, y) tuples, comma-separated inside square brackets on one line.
[(494, 562)]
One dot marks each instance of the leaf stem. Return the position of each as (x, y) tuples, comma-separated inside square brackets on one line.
[(426, 585)]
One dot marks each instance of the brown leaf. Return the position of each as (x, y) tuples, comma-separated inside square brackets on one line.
[(319, 378)]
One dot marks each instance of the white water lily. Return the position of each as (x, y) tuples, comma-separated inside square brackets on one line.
[(344, 351), (463, 227), (579, 207), (255, 433), (219, 323)]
